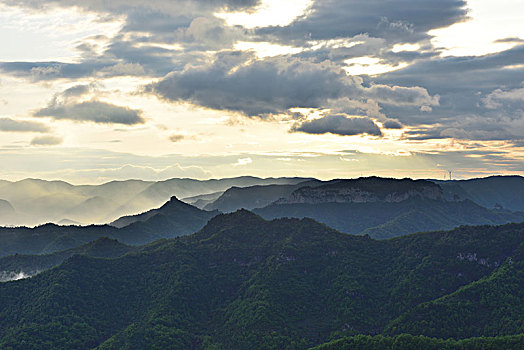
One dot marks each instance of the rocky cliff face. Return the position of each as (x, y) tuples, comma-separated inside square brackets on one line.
[(365, 190)]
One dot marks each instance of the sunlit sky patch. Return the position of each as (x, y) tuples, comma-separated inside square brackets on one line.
[(268, 88), (490, 21), (50, 35), (268, 13)]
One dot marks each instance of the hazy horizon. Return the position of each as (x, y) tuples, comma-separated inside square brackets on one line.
[(445, 177)]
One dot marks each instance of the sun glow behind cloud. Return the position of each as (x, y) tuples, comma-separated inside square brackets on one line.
[(231, 118), (50, 35), (369, 66), (265, 49), (490, 21), (269, 13)]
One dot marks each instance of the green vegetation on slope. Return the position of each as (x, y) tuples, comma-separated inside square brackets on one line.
[(410, 342), (243, 282), (28, 265)]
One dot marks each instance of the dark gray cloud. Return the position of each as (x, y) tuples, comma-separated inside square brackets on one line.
[(338, 125), (94, 111), (396, 20), (392, 124), (235, 82), (69, 105), (481, 97), (46, 140), (474, 97), (77, 90), (8, 124)]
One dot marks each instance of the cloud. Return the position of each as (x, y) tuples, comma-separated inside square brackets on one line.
[(243, 161), (499, 97), (94, 111), (101, 67), (46, 140), (176, 138), (338, 125), (8, 124), (473, 127), (87, 165), (480, 97), (188, 50), (119, 7), (392, 124), (130, 171), (77, 90), (237, 82), (510, 40), (122, 69), (67, 105), (397, 20), (46, 71)]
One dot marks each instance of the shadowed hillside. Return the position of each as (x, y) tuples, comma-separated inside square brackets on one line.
[(384, 208), (243, 282), (21, 266)]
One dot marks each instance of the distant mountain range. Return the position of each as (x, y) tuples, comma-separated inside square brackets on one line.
[(383, 208), (242, 282), (173, 219), (379, 207), (34, 202), (254, 196), (496, 192), (503, 192)]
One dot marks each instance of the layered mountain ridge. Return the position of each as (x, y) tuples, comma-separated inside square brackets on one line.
[(365, 190), (173, 219), (37, 202), (244, 282)]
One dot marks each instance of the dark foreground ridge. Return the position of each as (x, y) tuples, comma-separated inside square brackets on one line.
[(244, 282)]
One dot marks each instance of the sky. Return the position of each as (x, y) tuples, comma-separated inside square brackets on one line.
[(93, 91)]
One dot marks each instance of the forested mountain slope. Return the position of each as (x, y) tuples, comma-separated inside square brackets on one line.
[(243, 282), (21, 266)]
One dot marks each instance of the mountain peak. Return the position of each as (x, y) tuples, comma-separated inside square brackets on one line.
[(250, 230), (237, 218), (236, 226)]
